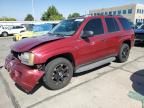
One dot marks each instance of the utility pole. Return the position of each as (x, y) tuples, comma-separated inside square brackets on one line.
[(33, 12)]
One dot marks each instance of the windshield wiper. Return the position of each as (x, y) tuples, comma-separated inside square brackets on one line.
[(57, 34)]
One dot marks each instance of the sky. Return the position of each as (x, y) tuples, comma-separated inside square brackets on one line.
[(20, 8)]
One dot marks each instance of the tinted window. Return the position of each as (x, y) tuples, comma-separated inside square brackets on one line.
[(125, 23), (112, 25), (17, 27), (95, 25)]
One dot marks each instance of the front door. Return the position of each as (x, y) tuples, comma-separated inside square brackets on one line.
[(92, 48)]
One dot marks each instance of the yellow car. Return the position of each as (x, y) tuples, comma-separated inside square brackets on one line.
[(34, 30), (27, 34)]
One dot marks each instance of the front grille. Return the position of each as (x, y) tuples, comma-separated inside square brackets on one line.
[(15, 54)]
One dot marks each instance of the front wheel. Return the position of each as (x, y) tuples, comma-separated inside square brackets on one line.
[(58, 73), (124, 53)]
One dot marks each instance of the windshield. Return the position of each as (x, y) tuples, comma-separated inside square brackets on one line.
[(67, 27)]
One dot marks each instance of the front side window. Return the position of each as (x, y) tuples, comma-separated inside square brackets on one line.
[(67, 27), (125, 23), (95, 25), (112, 25)]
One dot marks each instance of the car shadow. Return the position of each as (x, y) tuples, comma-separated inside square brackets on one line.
[(138, 81), (139, 44)]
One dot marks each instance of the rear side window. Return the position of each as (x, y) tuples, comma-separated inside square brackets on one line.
[(125, 23), (95, 25), (112, 25)]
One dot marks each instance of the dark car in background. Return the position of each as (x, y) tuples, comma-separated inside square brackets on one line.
[(139, 33)]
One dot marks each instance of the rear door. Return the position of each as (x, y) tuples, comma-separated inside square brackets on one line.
[(113, 34)]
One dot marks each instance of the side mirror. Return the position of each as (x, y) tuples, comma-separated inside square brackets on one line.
[(87, 34)]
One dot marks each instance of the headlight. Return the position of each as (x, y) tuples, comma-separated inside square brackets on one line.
[(27, 58)]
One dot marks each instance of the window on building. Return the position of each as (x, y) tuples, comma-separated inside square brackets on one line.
[(138, 11), (129, 11), (124, 11), (95, 14), (136, 20), (102, 13), (98, 13), (106, 13), (142, 11), (114, 12), (110, 13), (112, 25), (119, 12), (95, 25), (125, 23)]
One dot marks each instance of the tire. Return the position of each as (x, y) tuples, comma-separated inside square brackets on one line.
[(124, 53), (58, 73), (4, 34)]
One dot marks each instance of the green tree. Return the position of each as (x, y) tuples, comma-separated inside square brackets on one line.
[(29, 17), (7, 19), (52, 14), (74, 15)]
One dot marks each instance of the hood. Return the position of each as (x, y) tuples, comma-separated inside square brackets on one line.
[(29, 43)]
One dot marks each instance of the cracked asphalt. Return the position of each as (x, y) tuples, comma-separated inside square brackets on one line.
[(113, 85)]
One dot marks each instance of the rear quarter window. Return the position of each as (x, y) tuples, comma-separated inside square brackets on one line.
[(112, 25), (125, 23)]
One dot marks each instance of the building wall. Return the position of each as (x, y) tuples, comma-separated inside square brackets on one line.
[(139, 16), (128, 11)]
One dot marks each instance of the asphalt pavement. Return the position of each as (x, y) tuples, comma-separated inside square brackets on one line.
[(116, 85)]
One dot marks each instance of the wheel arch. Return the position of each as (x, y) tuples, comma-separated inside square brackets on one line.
[(68, 56), (128, 41)]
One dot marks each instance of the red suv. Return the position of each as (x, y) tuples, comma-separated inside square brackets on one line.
[(72, 46)]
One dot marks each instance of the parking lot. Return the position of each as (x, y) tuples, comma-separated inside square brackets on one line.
[(113, 85)]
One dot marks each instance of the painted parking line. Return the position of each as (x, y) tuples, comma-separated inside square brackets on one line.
[(9, 92), (100, 75), (137, 96)]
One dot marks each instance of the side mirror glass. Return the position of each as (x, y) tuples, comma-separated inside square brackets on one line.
[(87, 34)]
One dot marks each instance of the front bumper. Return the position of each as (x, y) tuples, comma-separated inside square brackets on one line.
[(25, 76)]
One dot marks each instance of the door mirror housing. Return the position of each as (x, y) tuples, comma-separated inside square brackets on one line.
[(87, 34)]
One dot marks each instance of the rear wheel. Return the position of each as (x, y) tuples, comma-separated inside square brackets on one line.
[(4, 34), (124, 53), (58, 73)]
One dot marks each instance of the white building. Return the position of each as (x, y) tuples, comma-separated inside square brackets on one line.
[(133, 12)]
